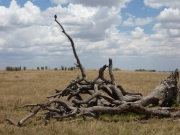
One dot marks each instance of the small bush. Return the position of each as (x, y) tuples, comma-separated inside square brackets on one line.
[(8, 68), (24, 68), (152, 70), (116, 69), (62, 67), (71, 68), (142, 70)]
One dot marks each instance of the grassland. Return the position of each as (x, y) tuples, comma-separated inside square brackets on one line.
[(21, 87)]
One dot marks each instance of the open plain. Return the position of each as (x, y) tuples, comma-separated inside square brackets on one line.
[(31, 86)]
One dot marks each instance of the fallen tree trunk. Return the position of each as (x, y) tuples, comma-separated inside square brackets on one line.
[(105, 96), (162, 95), (133, 107)]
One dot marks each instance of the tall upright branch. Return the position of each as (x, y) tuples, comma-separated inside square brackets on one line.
[(111, 72), (74, 49)]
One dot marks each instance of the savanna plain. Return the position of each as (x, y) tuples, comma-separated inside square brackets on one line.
[(31, 86)]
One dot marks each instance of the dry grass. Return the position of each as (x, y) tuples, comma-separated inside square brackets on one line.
[(22, 87)]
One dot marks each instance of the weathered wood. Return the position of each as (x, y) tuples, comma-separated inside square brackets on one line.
[(105, 96), (178, 92), (25, 118), (74, 49), (132, 107), (126, 92), (111, 71), (101, 73), (160, 95)]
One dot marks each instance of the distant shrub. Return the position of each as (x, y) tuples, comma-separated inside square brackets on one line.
[(71, 68), (68, 68), (37, 68), (24, 68), (46, 67), (116, 69), (55, 68), (62, 67), (42, 68), (142, 70), (152, 70), (8, 68), (15, 68)]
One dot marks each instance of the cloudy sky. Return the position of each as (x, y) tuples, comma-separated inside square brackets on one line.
[(134, 33)]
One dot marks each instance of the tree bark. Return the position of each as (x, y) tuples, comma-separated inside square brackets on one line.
[(74, 49), (161, 95), (177, 92)]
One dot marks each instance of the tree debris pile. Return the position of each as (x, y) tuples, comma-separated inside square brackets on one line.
[(105, 96)]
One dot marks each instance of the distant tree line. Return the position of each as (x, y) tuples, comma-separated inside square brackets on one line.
[(62, 68), (8, 68), (42, 68), (141, 70)]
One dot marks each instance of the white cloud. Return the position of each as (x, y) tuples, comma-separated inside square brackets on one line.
[(84, 22), (128, 22), (156, 37), (138, 32), (81, 11), (132, 21), (95, 26), (143, 21), (93, 3), (60, 1), (161, 3), (15, 16), (170, 14), (1, 41), (173, 32), (168, 20)]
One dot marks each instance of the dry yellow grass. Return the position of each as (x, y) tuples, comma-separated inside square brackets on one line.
[(22, 87)]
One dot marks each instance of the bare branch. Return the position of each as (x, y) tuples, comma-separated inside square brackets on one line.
[(73, 47), (111, 72)]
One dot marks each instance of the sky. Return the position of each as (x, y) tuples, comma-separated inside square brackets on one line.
[(136, 34)]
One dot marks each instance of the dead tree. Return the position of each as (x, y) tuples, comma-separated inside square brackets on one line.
[(112, 99)]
